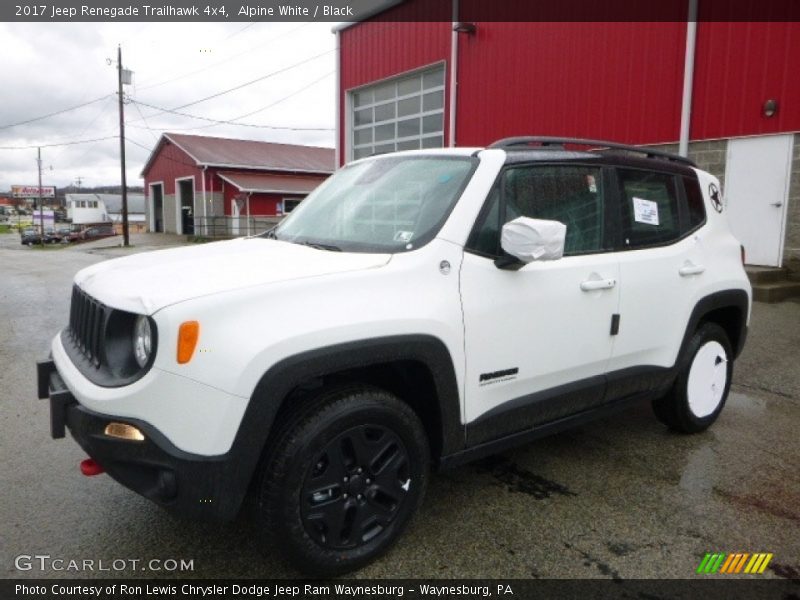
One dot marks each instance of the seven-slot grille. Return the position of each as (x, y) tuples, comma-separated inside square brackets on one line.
[(86, 323)]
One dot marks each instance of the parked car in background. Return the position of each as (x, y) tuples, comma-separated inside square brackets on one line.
[(29, 237), (98, 231), (54, 236), (76, 233), (73, 235)]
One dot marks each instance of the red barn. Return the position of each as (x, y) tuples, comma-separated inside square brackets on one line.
[(217, 186), (716, 82)]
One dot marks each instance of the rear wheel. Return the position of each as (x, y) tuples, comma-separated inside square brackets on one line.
[(341, 479), (704, 379)]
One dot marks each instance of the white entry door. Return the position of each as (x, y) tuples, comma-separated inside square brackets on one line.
[(756, 190)]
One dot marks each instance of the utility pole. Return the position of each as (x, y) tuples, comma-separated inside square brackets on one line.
[(41, 201), (122, 149)]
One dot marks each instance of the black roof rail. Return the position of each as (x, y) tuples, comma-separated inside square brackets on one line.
[(545, 141)]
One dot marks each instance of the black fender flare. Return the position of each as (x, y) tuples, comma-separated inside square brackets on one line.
[(737, 299), (284, 376)]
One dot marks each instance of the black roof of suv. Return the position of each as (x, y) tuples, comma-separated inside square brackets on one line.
[(539, 148)]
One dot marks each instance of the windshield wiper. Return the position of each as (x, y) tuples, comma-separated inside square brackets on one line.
[(270, 234), (319, 246)]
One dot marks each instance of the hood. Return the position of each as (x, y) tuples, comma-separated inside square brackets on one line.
[(147, 282)]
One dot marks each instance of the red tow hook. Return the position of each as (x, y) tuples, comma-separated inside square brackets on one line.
[(90, 467)]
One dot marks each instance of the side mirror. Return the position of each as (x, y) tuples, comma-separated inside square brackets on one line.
[(526, 240)]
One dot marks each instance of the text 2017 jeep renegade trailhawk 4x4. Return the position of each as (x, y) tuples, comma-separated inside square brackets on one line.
[(419, 308)]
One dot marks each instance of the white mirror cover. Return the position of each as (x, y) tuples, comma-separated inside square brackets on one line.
[(533, 239)]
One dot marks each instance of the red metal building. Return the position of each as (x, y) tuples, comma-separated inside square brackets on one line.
[(711, 83), (219, 186)]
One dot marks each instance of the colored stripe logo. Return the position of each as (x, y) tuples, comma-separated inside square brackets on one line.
[(732, 563)]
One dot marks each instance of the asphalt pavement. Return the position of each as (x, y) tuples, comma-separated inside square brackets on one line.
[(620, 498)]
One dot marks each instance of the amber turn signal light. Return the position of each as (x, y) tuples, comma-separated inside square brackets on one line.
[(188, 334)]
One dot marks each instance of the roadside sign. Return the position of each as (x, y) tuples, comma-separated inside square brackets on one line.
[(32, 191)]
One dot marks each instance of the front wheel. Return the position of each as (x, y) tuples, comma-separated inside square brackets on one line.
[(341, 479), (701, 387)]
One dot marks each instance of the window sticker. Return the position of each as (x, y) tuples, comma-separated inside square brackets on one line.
[(403, 236), (645, 211)]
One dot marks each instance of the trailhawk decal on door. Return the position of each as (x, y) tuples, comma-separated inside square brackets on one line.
[(498, 376)]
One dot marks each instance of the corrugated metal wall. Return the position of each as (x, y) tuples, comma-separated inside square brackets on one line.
[(265, 204), (739, 66), (619, 81), (171, 163), (260, 204)]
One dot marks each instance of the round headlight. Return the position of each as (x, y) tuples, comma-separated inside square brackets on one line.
[(142, 340)]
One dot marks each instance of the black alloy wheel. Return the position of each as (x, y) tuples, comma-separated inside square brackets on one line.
[(355, 487), (340, 479)]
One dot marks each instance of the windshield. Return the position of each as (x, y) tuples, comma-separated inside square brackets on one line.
[(390, 204)]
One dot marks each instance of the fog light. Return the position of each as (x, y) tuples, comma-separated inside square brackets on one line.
[(124, 432)]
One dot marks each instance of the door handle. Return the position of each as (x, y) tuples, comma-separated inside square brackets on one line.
[(598, 284), (777, 204), (688, 270)]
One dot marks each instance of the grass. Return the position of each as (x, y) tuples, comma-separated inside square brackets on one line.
[(5, 228), (48, 246)]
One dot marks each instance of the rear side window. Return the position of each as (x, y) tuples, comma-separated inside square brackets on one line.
[(649, 208), (695, 203), (570, 194)]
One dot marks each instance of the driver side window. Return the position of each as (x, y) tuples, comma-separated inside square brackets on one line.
[(570, 194)]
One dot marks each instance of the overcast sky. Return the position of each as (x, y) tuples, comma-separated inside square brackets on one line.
[(50, 67)]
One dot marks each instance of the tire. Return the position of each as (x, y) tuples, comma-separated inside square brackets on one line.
[(341, 478), (701, 388)]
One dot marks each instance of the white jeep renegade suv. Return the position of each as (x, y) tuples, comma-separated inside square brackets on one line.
[(419, 308)]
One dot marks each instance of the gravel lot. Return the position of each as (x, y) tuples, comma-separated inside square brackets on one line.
[(620, 498)]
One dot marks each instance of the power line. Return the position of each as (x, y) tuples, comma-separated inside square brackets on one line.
[(239, 87), (103, 109), (164, 156), (176, 111), (53, 114), (294, 93), (238, 31), (133, 141), (73, 143), (216, 64), (220, 122), (263, 108), (146, 124)]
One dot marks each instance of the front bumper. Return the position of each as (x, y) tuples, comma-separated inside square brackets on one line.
[(208, 488)]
